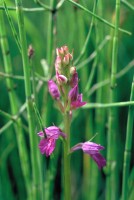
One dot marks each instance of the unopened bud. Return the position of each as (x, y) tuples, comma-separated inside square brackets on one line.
[(61, 79), (59, 52), (72, 70), (30, 51)]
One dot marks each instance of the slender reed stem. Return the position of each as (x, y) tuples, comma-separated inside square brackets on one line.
[(14, 108), (112, 176), (12, 27), (128, 146), (108, 105), (97, 17), (33, 139), (127, 4), (87, 38), (66, 159)]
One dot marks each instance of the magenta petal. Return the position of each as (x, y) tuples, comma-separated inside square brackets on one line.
[(74, 80), (53, 89), (77, 104), (98, 158), (47, 146), (91, 147), (73, 93), (77, 147)]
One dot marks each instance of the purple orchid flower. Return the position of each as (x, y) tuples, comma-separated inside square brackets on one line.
[(92, 149), (53, 89), (75, 98), (47, 145)]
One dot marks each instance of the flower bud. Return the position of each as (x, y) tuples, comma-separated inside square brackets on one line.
[(61, 79), (30, 51), (59, 52), (72, 70)]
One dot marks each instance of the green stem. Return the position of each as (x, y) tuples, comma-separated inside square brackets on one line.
[(112, 176), (128, 146), (36, 190), (14, 108), (97, 17), (66, 159), (108, 105), (87, 38), (127, 4)]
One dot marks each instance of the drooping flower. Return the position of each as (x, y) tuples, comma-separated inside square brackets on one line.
[(75, 98), (47, 145), (92, 149), (53, 89)]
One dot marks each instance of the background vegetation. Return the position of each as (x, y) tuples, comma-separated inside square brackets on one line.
[(104, 58)]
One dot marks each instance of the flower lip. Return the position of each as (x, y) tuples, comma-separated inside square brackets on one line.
[(47, 145)]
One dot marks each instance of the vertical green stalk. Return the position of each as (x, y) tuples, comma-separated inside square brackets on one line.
[(50, 34), (128, 146), (14, 108), (112, 176), (33, 139), (99, 113), (49, 57), (66, 159)]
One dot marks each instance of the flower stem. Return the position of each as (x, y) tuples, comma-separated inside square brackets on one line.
[(66, 160)]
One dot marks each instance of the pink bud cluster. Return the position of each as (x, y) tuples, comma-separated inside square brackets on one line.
[(66, 85)]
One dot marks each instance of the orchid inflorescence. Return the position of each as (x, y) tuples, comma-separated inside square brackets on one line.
[(66, 93)]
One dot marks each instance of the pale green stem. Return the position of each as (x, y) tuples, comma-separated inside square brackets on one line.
[(12, 27), (107, 105), (127, 4), (112, 175), (128, 146), (33, 138), (87, 38), (98, 18), (14, 108), (66, 159), (107, 81)]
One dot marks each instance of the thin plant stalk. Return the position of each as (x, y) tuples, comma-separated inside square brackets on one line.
[(99, 114), (112, 171), (98, 17), (14, 108), (66, 158), (128, 146), (49, 58), (87, 38), (36, 189)]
